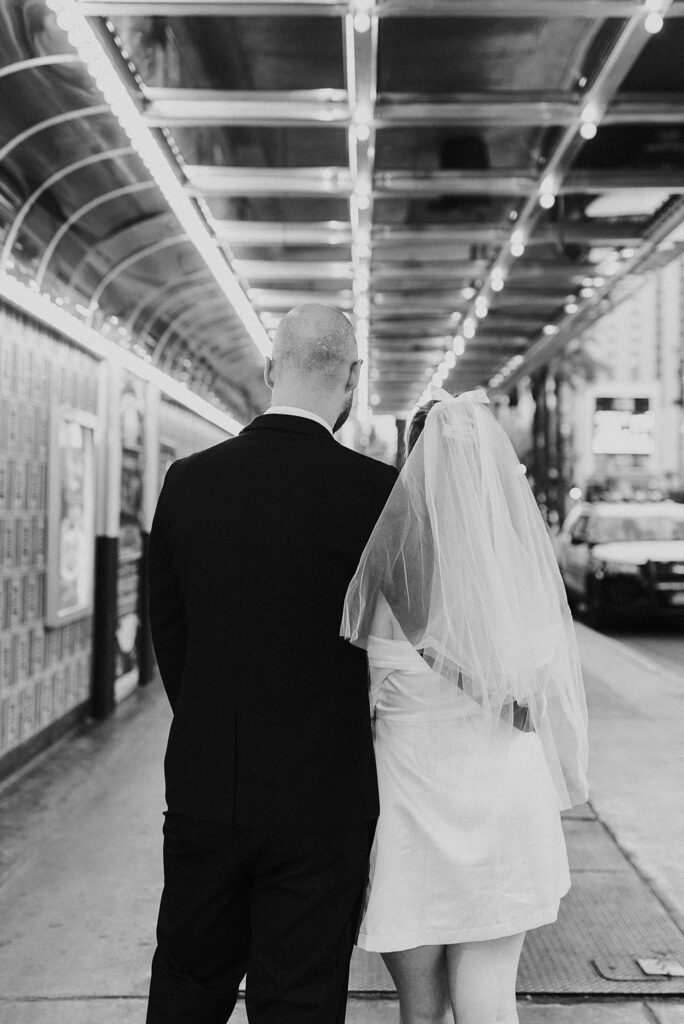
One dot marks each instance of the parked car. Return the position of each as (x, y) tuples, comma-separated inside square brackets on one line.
[(624, 558)]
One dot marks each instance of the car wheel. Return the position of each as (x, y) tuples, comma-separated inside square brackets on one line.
[(597, 613)]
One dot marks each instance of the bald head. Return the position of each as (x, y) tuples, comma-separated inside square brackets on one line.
[(316, 345)]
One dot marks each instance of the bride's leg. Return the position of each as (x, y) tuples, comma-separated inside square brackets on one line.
[(420, 978), (481, 978)]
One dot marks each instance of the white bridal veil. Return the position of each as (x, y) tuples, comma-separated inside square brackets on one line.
[(463, 559)]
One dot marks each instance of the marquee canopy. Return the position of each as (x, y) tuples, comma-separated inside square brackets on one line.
[(472, 181)]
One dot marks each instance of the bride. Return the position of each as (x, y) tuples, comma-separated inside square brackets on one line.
[(479, 714)]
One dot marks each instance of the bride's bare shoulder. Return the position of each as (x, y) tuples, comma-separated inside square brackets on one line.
[(385, 624)]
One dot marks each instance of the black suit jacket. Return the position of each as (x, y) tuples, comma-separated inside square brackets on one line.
[(253, 544)]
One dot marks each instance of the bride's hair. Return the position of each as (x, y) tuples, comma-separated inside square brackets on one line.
[(416, 424)]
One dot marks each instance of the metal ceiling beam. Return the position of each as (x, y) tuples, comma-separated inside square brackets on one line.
[(226, 181), (411, 331), (31, 63), (158, 295), (437, 304), (330, 107), (182, 290), (284, 299), (479, 109), (52, 122), (163, 354), (522, 110), (587, 231), (597, 181), (63, 172), (125, 264), (415, 271), (120, 239), (212, 8), (381, 356), (511, 299), (83, 211), (187, 107), (514, 182), (293, 270), (259, 181), (597, 9), (275, 233), (539, 271), (389, 345)]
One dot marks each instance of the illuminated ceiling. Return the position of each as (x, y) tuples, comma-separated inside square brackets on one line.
[(472, 180)]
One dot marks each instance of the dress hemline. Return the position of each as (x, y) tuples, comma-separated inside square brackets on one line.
[(443, 937)]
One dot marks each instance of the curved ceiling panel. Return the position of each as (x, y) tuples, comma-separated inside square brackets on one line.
[(81, 217)]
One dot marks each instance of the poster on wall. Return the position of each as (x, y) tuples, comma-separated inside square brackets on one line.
[(132, 412), (132, 430), (71, 517)]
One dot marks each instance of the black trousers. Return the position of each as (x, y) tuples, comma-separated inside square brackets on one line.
[(281, 907)]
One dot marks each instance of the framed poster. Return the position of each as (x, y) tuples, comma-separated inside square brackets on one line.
[(132, 405), (71, 516)]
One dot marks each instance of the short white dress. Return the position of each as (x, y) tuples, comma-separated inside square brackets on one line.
[(469, 844)]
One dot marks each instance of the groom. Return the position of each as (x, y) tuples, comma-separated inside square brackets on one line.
[(270, 778)]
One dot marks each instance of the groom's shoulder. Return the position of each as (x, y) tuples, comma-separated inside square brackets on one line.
[(208, 458), (366, 467)]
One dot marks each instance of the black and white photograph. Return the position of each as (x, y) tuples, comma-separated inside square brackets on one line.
[(341, 512)]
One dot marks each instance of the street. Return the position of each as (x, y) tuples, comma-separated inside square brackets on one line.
[(661, 641)]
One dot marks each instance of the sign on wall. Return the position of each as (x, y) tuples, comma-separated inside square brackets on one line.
[(623, 425), (71, 516)]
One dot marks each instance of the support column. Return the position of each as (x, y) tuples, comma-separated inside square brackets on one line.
[(150, 493), (106, 545), (401, 443), (540, 454)]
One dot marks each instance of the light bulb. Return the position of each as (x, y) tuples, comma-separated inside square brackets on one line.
[(653, 23)]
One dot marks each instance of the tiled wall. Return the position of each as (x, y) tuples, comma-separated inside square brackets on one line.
[(44, 673)]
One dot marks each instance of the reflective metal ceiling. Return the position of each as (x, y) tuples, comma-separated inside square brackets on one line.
[(427, 166)]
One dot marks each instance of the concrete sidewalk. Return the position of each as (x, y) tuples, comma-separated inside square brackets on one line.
[(80, 867)]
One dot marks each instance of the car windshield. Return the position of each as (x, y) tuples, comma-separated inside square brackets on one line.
[(621, 528)]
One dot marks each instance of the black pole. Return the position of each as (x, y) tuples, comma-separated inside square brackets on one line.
[(146, 658), (105, 625)]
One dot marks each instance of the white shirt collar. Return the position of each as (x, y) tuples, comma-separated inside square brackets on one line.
[(290, 410)]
